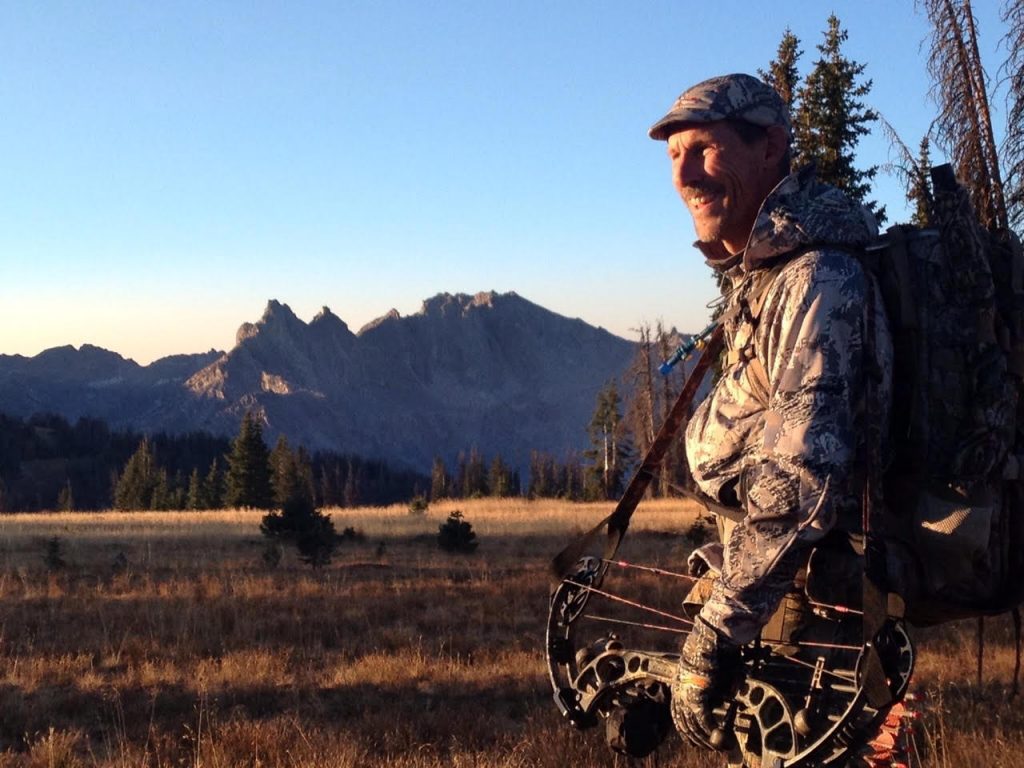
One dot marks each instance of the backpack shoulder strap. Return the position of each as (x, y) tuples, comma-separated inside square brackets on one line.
[(751, 304)]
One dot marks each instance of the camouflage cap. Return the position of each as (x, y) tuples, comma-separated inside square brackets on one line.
[(737, 96)]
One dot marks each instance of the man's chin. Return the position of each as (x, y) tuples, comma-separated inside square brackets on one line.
[(708, 234)]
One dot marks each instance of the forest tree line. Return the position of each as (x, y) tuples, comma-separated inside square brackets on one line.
[(46, 462)]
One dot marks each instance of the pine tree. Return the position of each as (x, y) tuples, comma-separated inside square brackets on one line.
[(440, 483), (547, 479), (640, 411), (292, 475), (574, 485), (248, 477), (213, 487), (301, 523), (304, 470), (610, 451), (195, 499), (919, 193), (474, 478), (136, 483), (66, 498), (459, 480), (830, 118), (284, 472), (537, 488), (353, 485), (499, 478), (782, 72), (163, 495), (457, 535)]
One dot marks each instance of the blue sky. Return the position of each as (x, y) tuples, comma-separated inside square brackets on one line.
[(168, 167)]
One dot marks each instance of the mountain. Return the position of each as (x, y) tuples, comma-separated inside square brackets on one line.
[(493, 371), (91, 381)]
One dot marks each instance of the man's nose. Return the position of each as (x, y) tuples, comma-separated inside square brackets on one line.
[(688, 169)]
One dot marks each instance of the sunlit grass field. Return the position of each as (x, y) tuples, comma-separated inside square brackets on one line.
[(166, 639)]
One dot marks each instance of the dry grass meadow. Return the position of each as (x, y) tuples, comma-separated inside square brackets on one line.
[(166, 640)]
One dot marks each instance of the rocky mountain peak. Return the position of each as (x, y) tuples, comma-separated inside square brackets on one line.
[(460, 304), (391, 316), (327, 319), (278, 320), (490, 370), (276, 312), (484, 299), (87, 361), (246, 331)]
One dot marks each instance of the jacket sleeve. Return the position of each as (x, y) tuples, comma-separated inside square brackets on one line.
[(810, 343)]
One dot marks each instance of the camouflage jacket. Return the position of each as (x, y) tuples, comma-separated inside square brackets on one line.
[(778, 437)]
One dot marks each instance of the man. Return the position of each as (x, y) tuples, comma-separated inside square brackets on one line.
[(779, 440)]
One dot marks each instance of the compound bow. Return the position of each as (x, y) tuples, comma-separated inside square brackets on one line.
[(813, 699)]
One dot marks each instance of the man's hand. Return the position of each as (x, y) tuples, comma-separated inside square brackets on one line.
[(707, 667)]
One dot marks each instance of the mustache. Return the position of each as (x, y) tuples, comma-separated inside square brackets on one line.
[(703, 188)]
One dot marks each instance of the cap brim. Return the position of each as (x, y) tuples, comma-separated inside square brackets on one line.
[(676, 119)]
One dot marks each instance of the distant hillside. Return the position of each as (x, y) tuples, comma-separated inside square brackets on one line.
[(493, 371)]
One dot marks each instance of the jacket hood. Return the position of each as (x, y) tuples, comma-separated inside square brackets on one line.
[(799, 212)]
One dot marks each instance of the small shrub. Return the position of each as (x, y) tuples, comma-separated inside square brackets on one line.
[(272, 554), (317, 543), (456, 535), (418, 506), (352, 534), (297, 515), (698, 533), (53, 557), (310, 530), (120, 564)]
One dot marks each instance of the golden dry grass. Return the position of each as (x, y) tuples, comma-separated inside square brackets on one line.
[(167, 641)]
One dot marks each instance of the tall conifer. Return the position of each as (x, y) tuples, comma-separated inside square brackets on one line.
[(439, 480), (782, 73), (919, 193), (194, 498), (135, 485), (831, 116), (611, 450), (248, 476), (213, 486)]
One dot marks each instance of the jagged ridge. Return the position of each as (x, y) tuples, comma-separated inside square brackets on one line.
[(493, 371)]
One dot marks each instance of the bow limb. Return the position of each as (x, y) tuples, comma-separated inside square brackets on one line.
[(618, 521)]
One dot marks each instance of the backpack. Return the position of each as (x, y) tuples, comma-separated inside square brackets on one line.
[(953, 517)]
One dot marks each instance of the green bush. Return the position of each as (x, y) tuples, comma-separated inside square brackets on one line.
[(456, 535), (300, 522), (53, 555), (317, 543), (272, 554)]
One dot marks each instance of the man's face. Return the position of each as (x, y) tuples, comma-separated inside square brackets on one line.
[(722, 180)]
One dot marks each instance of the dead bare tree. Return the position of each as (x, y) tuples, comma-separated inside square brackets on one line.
[(960, 90), (1013, 143), (640, 412)]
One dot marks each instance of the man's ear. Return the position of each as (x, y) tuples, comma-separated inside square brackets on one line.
[(776, 146)]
